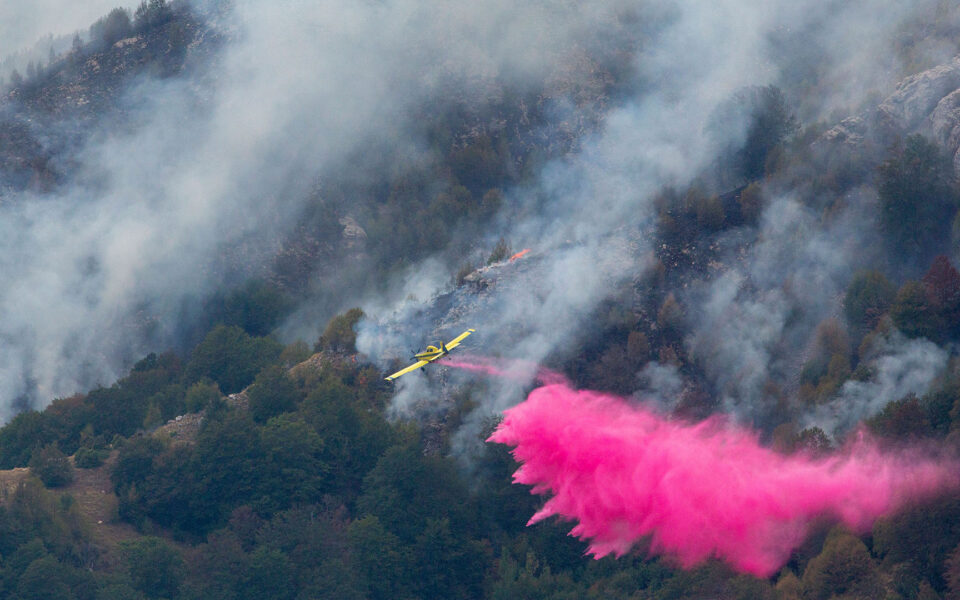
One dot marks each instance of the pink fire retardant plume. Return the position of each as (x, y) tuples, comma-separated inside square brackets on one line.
[(520, 370), (698, 491)]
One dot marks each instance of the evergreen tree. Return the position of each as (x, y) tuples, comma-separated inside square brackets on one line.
[(918, 198), (52, 466)]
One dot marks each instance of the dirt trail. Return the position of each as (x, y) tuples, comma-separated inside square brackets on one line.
[(93, 492)]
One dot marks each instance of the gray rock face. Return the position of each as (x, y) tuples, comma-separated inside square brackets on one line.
[(918, 95), (927, 102), (851, 131), (354, 237), (945, 125)]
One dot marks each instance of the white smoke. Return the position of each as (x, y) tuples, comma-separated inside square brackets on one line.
[(100, 272), (900, 367), (752, 324), (590, 211), (25, 22)]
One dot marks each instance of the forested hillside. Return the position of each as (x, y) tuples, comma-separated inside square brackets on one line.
[(223, 224)]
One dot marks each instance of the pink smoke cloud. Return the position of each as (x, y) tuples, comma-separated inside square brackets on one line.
[(697, 490)]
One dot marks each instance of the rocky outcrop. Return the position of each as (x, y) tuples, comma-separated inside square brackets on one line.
[(850, 131), (354, 237), (928, 103), (945, 125), (910, 105)]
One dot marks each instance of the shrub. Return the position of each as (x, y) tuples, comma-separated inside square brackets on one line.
[(339, 335), (868, 297), (52, 466), (90, 458)]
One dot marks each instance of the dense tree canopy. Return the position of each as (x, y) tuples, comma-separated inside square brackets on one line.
[(918, 197)]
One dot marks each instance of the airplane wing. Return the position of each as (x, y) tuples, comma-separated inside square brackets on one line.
[(413, 367), (456, 341)]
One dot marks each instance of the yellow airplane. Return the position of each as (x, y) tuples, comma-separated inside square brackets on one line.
[(431, 354)]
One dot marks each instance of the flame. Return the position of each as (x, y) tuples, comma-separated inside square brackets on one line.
[(519, 254)]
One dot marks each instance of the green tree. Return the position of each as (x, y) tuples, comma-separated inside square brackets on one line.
[(942, 286), (295, 353), (339, 335), (813, 441), (111, 28), (449, 566), (868, 297), (121, 408), (231, 358), (912, 314), (153, 418), (200, 395), (902, 419), (952, 572), (118, 590), (269, 574), (762, 120), (90, 458), (217, 569), (257, 307), (407, 489), (227, 467), (313, 537), (500, 252), (922, 535), (353, 436), (20, 436), (48, 579), (135, 461), (151, 13), (529, 579), (844, 568), (294, 471), (155, 568), (272, 393), (788, 586), (918, 197), (379, 559), (116, 411), (52, 466)]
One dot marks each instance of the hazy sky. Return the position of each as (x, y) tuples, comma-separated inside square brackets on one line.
[(23, 22)]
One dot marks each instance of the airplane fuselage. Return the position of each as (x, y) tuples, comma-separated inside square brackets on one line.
[(432, 353)]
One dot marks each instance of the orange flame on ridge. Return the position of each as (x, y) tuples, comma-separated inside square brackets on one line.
[(519, 254)]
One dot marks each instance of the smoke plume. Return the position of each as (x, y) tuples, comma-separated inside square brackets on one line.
[(212, 165)]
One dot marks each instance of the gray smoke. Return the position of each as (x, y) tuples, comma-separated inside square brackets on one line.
[(589, 216), (24, 22), (900, 367), (752, 325), (213, 167)]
